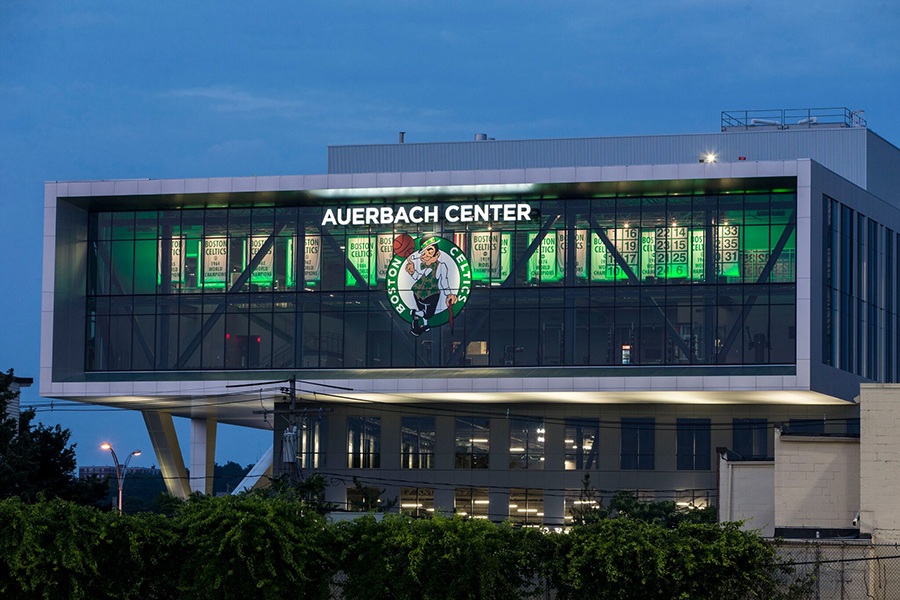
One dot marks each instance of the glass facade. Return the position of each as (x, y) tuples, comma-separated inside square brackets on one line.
[(625, 281), (526, 444), (418, 502), (750, 438), (861, 299), (638, 443), (473, 442), (417, 442), (693, 448), (471, 502), (526, 506), (363, 442), (582, 444)]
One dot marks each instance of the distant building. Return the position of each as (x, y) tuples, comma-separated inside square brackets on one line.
[(105, 471), (476, 326), (12, 410)]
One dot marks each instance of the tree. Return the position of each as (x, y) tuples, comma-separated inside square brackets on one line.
[(228, 476), (249, 546), (407, 558), (624, 559), (624, 504), (36, 460)]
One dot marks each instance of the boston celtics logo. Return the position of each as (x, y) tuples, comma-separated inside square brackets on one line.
[(428, 281)]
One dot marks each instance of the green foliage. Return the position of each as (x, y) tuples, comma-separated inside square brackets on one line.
[(439, 557), (38, 461), (366, 498), (250, 547), (628, 559), (228, 476), (310, 490), (253, 546), (624, 504), (661, 512), (58, 549), (47, 549)]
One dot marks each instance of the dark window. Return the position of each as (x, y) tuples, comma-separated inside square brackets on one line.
[(807, 426), (526, 505), (638, 444), (418, 502), (417, 442), (473, 442), (582, 444), (526, 444), (363, 442), (693, 445), (750, 438)]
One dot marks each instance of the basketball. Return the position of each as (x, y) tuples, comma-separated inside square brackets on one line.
[(404, 245)]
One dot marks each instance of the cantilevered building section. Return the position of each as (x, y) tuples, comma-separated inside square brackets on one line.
[(476, 326)]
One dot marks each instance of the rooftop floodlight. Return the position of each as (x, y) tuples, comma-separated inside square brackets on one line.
[(710, 157)]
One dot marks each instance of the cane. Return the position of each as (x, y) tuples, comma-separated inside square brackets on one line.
[(450, 308)]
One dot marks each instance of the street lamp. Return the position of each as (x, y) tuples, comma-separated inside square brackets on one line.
[(121, 470)]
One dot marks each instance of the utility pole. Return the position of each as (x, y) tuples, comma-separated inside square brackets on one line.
[(289, 437)]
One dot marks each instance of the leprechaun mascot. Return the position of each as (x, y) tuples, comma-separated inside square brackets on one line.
[(431, 287)]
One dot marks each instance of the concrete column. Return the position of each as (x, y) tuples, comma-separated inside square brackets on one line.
[(499, 460), (554, 446), (390, 441), (444, 443), (168, 452), (203, 455)]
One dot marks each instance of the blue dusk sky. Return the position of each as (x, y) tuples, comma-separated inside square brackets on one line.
[(163, 89)]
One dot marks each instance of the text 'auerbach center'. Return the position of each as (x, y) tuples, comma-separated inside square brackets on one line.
[(475, 326)]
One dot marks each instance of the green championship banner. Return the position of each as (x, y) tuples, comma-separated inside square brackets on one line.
[(215, 261), (581, 254), (489, 255), (384, 255), (176, 265), (542, 266), (264, 273), (312, 260), (361, 252)]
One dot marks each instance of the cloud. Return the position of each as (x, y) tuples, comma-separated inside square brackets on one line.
[(230, 100)]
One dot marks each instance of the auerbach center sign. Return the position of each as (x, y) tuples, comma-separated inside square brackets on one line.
[(416, 214)]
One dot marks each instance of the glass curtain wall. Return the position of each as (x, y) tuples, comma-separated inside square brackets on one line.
[(624, 281)]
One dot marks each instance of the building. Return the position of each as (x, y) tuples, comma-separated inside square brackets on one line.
[(13, 407), (107, 471), (821, 486), (476, 326)]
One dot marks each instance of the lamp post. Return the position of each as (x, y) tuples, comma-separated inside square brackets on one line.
[(121, 470)]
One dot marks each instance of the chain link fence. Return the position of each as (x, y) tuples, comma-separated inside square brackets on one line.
[(844, 569)]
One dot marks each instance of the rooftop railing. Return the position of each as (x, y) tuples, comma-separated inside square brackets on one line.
[(791, 118)]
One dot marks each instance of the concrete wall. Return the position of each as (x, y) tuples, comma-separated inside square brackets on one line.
[(817, 481), (880, 462), (746, 493)]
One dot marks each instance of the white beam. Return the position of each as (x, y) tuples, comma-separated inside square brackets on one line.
[(168, 452), (262, 467), (203, 454)]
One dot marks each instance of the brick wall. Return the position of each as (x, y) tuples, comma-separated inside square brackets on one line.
[(746, 491), (880, 462), (817, 481)]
